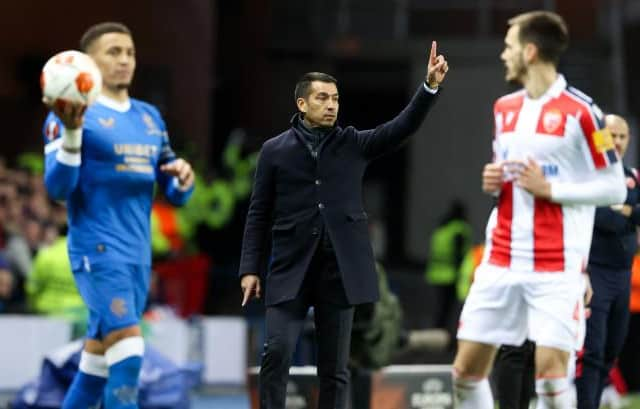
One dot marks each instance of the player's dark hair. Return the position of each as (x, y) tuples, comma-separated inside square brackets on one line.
[(94, 32), (546, 30), (304, 83)]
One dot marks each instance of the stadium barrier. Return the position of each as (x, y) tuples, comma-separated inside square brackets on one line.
[(219, 343), (392, 387), (24, 341)]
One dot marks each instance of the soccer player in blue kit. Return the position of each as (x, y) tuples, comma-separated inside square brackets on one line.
[(104, 160)]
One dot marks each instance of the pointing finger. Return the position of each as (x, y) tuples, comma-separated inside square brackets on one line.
[(246, 295), (433, 53)]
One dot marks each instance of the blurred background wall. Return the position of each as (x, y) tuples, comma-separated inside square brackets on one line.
[(175, 45)]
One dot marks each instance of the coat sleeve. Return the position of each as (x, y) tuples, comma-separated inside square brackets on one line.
[(390, 135), (258, 223), (635, 215), (633, 199), (608, 220)]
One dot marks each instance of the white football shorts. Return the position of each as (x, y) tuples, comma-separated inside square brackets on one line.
[(507, 307)]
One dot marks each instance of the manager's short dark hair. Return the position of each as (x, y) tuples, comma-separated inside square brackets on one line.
[(94, 32), (304, 83), (547, 30)]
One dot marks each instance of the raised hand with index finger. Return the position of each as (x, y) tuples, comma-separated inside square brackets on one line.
[(436, 68)]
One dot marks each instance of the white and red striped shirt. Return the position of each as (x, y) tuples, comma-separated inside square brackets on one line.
[(561, 131)]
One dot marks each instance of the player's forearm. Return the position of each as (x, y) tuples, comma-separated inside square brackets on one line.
[(62, 171), (607, 189), (62, 163), (176, 194), (72, 140)]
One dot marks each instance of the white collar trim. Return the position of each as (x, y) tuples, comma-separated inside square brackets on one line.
[(113, 104), (557, 87)]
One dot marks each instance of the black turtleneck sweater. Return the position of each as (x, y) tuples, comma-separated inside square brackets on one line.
[(314, 138)]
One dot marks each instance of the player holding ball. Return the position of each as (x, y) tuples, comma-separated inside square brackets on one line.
[(104, 159)]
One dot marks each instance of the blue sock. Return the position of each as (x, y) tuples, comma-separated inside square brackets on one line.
[(122, 387), (88, 384), (125, 361)]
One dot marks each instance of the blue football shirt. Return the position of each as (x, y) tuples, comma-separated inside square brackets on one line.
[(109, 185)]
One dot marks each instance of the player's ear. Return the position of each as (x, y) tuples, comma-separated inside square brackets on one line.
[(530, 52), (302, 105)]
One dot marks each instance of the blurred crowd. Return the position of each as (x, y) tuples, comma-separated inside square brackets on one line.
[(35, 274), (29, 221)]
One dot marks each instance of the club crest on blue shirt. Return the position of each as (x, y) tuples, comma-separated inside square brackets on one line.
[(152, 127)]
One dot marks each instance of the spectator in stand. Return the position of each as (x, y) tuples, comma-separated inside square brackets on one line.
[(450, 241), (50, 287), (10, 300)]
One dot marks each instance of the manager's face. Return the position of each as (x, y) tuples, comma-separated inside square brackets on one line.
[(321, 106)]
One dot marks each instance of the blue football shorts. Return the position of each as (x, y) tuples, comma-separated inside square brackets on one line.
[(115, 295)]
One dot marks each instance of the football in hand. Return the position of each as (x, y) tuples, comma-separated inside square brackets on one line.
[(70, 76)]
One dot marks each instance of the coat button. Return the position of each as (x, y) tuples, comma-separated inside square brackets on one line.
[(320, 206), (318, 182), (315, 231)]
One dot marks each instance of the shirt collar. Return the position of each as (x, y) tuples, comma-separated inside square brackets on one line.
[(559, 85), (113, 104)]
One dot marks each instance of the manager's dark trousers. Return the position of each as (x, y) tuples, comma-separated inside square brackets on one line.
[(514, 375), (606, 331), (322, 288), (629, 361)]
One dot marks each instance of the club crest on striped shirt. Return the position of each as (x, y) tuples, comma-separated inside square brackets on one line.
[(551, 120)]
